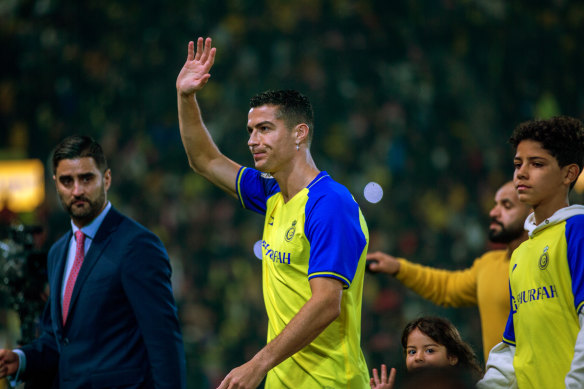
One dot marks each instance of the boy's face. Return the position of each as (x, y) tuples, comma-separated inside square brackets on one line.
[(538, 178)]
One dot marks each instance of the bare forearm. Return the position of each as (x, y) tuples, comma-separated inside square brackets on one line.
[(309, 322), (197, 141), (202, 152)]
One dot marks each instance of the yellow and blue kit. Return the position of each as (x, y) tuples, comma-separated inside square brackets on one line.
[(320, 232), (543, 335)]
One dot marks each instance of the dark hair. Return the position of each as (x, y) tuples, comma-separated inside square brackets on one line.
[(79, 146), (561, 136), (443, 332), (293, 107)]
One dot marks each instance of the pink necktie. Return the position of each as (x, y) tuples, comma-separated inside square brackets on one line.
[(79, 255)]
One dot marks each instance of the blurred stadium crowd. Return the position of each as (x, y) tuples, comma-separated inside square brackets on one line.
[(419, 96)]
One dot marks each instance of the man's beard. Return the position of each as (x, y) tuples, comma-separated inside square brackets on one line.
[(85, 215), (505, 235)]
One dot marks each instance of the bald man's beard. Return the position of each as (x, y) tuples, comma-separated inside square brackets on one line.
[(505, 235)]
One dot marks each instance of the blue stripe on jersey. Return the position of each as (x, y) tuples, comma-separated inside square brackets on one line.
[(261, 187), (339, 277), (509, 342), (575, 241), (333, 229), (509, 333)]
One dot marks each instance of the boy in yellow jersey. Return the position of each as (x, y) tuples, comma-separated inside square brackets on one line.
[(485, 284), (314, 243), (543, 343)]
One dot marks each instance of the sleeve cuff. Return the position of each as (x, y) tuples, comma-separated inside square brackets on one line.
[(15, 380), (404, 267)]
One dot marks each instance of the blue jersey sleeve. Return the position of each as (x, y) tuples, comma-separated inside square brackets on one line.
[(575, 254), (333, 228), (509, 333), (254, 189)]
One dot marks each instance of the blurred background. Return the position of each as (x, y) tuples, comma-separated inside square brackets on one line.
[(417, 96)]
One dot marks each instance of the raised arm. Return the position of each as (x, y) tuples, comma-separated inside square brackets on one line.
[(203, 154)]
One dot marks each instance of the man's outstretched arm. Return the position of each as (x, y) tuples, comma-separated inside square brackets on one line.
[(203, 154)]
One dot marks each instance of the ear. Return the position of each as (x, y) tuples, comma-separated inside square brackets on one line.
[(571, 173), (302, 131), (452, 360), (107, 179)]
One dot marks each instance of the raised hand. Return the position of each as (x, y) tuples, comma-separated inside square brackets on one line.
[(382, 380), (195, 72)]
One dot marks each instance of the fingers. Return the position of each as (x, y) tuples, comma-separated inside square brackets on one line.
[(222, 385), (206, 51), (391, 379), (212, 57), (204, 54), (191, 51), (375, 376), (376, 255), (199, 52), (383, 373)]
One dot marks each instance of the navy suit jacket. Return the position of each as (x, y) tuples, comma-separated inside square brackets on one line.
[(122, 330)]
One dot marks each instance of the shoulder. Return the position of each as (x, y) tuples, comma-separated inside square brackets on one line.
[(139, 248), (575, 229), (576, 220), (493, 255), (326, 191), (492, 261), (331, 204), (248, 176), (60, 243), (127, 229)]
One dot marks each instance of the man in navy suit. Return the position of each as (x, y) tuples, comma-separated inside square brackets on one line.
[(111, 319)]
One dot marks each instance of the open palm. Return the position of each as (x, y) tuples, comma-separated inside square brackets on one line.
[(195, 72)]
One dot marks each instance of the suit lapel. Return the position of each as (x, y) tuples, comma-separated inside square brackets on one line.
[(100, 242), (56, 278)]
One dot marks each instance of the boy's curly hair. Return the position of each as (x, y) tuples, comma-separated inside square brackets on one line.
[(562, 136)]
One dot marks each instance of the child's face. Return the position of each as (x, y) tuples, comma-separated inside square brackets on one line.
[(538, 178), (423, 351)]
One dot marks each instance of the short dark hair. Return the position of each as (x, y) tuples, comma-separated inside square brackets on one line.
[(561, 136), (79, 146), (293, 107), (443, 332)]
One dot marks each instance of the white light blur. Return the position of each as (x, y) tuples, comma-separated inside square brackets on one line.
[(257, 249), (373, 192)]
